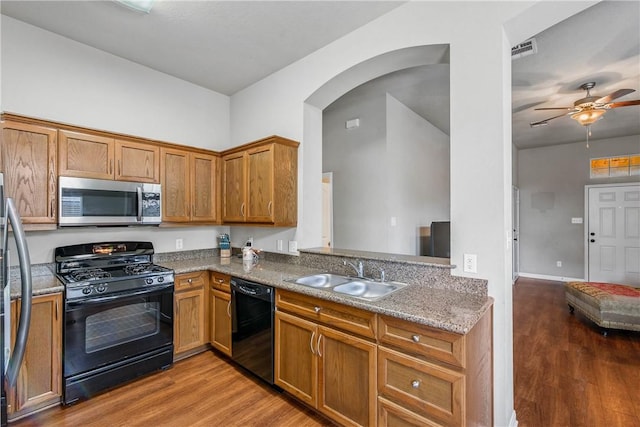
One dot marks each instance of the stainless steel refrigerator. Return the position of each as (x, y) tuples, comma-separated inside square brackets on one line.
[(11, 359)]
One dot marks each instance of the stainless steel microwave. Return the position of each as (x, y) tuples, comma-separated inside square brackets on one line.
[(84, 201)]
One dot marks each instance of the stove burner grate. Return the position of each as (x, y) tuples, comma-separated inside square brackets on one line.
[(141, 268), (90, 274)]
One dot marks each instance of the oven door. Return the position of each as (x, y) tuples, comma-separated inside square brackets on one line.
[(103, 330)]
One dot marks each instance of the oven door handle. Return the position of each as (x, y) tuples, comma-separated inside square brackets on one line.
[(99, 300)]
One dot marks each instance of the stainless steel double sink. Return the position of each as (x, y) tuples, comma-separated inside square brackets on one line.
[(362, 288)]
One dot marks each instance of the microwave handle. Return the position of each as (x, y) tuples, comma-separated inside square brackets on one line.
[(139, 191)]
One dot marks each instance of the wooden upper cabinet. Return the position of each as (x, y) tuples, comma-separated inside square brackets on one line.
[(93, 156), (174, 170), (189, 186), (260, 183), (204, 187), (233, 187), (28, 159), (86, 156), (137, 162), (260, 198)]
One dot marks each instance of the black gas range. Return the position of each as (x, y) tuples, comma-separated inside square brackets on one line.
[(108, 268), (118, 315)]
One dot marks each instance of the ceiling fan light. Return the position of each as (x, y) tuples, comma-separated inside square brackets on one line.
[(143, 6), (587, 117)]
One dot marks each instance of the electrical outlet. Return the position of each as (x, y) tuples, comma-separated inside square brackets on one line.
[(178, 243), (470, 263), (249, 242), (293, 246), (279, 245)]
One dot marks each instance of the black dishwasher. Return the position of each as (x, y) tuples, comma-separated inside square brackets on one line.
[(252, 327)]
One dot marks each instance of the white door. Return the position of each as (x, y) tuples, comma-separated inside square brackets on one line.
[(614, 234), (516, 233), (327, 209)]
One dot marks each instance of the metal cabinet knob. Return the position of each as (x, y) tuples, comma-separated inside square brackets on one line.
[(190, 280), (415, 338), (415, 383), (317, 309)]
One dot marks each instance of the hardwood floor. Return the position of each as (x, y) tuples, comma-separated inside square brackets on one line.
[(566, 372), (203, 390)]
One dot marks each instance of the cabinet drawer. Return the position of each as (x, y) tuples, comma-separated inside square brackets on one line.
[(190, 280), (421, 386), (422, 340), (221, 281), (394, 415), (343, 317)]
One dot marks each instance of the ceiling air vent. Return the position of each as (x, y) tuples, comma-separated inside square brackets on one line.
[(525, 48)]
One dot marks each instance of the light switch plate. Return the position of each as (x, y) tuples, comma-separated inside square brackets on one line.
[(293, 246)]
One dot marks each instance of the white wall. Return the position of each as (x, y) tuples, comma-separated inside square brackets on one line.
[(51, 77), (357, 159), (418, 176), (480, 136), (552, 181)]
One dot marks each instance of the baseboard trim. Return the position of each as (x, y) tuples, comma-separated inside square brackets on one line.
[(513, 422), (553, 278)]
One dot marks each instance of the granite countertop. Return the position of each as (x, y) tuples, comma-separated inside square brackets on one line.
[(43, 280), (443, 309), (440, 308)]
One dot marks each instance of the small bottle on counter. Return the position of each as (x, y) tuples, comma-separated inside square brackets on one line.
[(225, 245)]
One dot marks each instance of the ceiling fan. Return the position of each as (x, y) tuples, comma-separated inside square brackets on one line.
[(589, 109)]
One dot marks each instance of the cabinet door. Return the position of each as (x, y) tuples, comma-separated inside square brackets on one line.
[(174, 168), (233, 188), (137, 162), (86, 156), (347, 375), (204, 191), (220, 308), (39, 379), (260, 187), (189, 325), (29, 162), (296, 363)]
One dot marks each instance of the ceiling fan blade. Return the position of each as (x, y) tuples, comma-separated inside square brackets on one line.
[(555, 108), (624, 103), (545, 121), (617, 94)]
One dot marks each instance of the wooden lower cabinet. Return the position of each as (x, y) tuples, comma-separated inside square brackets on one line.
[(190, 326), (39, 383), (427, 376), (327, 369), (220, 312)]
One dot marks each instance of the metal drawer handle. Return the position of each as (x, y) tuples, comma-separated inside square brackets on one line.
[(317, 309), (311, 342), (415, 383), (415, 338), (319, 339)]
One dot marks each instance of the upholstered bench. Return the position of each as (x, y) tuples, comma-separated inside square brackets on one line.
[(608, 305)]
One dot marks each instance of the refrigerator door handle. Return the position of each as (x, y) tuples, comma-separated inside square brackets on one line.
[(25, 310)]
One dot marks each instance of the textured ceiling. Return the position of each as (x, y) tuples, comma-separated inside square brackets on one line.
[(228, 45), (221, 45)]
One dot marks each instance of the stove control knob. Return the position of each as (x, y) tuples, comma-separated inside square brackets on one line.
[(160, 279), (86, 290), (101, 288), (149, 281)]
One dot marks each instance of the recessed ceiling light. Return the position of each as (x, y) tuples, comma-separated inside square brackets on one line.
[(139, 5)]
